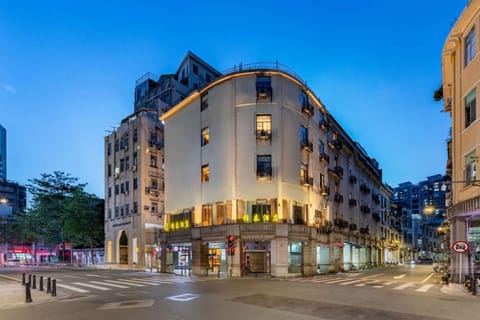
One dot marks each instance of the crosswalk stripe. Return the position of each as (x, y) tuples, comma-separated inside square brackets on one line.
[(378, 287), (72, 288), (370, 282), (337, 281), (110, 284), (403, 286), (96, 275), (140, 282), (325, 280), (91, 286), (390, 282), (424, 288), (351, 282), (127, 283)]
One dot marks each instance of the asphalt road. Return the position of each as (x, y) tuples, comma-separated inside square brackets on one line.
[(403, 292)]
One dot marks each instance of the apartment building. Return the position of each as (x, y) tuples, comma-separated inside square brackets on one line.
[(3, 153), (461, 78), (134, 178), (421, 212), (261, 178)]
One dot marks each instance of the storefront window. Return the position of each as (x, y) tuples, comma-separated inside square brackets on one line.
[(294, 257)]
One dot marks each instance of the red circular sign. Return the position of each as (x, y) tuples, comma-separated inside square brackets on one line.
[(461, 246)]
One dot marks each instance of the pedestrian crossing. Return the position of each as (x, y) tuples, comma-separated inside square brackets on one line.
[(357, 280), (92, 283)]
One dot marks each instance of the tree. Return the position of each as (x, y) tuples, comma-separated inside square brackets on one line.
[(438, 94), (63, 212)]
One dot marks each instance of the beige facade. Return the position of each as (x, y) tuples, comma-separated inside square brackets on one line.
[(461, 85), (255, 154), (134, 204)]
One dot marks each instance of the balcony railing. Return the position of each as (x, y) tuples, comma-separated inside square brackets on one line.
[(324, 158), (307, 109), (264, 134), (338, 198), (306, 181), (352, 202), (306, 145)]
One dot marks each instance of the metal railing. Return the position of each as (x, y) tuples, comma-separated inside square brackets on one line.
[(264, 66)]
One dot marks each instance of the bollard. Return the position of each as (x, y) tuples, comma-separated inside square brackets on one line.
[(23, 279), (475, 286), (40, 284), (54, 288), (49, 285), (29, 279), (34, 284), (28, 294)]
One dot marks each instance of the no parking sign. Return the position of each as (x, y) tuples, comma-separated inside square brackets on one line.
[(461, 246)]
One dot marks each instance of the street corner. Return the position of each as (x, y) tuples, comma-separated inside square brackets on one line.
[(14, 295), (456, 289)]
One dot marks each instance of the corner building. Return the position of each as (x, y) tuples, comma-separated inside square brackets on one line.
[(461, 78), (255, 154)]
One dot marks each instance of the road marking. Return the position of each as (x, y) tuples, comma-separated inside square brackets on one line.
[(350, 282), (337, 281), (375, 275), (96, 275), (403, 286), (426, 279), (91, 286), (110, 284), (363, 284), (424, 288), (325, 280), (127, 283), (400, 276), (389, 283), (183, 297), (377, 287), (72, 288), (141, 282)]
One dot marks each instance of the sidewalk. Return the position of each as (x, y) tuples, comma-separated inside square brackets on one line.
[(13, 294), (456, 289)]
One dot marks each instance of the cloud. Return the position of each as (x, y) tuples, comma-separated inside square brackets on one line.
[(8, 88)]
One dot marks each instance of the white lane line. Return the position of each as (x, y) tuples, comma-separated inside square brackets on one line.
[(127, 283), (96, 275), (403, 286), (425, 288), (351, 282), (72, 288), (325, 280), (140, 282), (377, 287), (91, 286), (390, 282), (110, 284), (400, 276), (426, 279)]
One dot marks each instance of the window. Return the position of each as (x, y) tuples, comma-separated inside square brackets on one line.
[(135, 207), (109, 192), (470, 107), (109, 213), (121, 211), (154, 207), (470, 168), (303, 135), (321, 147), (303, 98), (127, 209), (205, 136), (117, 189), (109, 148), (116, 146), (109, 170), (263, 126), (470, 46), (122, 165), (322, 180), (122, 188), (117, 212), (127, 163), (304, 173), (264, 166), (154, 184), (204, 102), (135, 183), (264, 88), (127, 186), (206, 214), (153, 160), (205, 173), (208, 77), (195, 69), (135, 135)]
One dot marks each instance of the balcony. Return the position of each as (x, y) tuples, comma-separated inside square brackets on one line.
[(335, 144), (353, 179), (352, 227), (264, 135), (365, 209), (264, 174), (338, 222), (352, 202), (376, 217), (325, 158), (324, 191), (364, 188), (337, 172), (364, 230), (306, 181), (307, 110), (306, 145), (323, 125), (338, 198)]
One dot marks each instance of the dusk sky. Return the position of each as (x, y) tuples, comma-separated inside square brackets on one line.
[(68, 70)]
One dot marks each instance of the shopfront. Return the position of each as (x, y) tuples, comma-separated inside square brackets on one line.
[(217, 258), (323, 258), (256, 258)]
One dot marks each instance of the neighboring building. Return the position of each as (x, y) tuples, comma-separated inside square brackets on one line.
[(422, 211), (13, 198), (3, 153), (134, 181), (461, 78), (256, 157)]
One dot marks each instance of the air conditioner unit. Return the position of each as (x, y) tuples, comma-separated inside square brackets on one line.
[(117, 175), (126, 193), (146, 208), (134, 168)]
